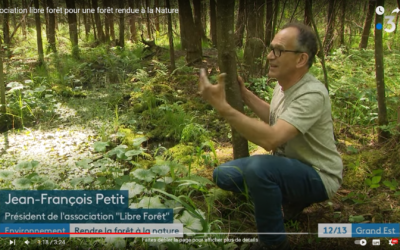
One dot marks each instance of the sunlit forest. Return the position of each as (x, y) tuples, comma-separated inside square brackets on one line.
[(102, 100)]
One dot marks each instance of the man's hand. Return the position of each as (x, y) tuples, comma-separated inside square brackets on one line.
[(213, 94), (243, 89)]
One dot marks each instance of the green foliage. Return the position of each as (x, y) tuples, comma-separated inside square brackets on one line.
[(375, 179), (261, 88), (194, 132), (30, 102), (356, 197), (393, 185)]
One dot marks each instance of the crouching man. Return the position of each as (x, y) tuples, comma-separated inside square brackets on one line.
[(296, 126)]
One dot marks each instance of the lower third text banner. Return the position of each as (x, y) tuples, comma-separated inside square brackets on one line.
[(90, 230)]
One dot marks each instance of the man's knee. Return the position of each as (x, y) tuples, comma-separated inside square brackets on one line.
[(257, 170), (219, 178)]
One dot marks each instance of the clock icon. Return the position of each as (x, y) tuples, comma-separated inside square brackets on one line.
[(380, 10)]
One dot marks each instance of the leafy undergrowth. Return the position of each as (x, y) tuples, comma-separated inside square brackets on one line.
[(148, 132)]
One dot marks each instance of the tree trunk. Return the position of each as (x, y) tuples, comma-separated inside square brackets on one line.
[(121, 25), (184, 41), (149, 29), (276, 11), (227, 64), (132, 23), (268, 22), (46, 18), (213, 22), (93, 21), (240, 24), (38, 33), (100, 33), (86, 22), (6, 25), (367, 24), (320, 53), (328, 41), (193, 38), (73, 29), (307, 12), (52, 27), (255, 36), (23, 21), (204, 16), (197, 18), (342, 15), (107, 17), (3, 110), (171, 39), (111, 22), (157, 16), (380, 82)]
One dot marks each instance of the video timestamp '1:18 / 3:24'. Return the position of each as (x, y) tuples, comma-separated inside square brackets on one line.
[(51, 242)]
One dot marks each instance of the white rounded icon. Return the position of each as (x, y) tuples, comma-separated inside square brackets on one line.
[(380, 10), (363, 242)]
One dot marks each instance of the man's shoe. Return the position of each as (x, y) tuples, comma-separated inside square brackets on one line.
[(284, 245), (292, 211)]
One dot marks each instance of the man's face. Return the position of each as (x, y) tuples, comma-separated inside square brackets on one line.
[(280, 67)]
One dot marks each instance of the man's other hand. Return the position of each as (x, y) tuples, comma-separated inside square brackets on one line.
[(213, 94)]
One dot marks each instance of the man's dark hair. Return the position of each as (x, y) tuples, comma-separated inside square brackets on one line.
[(306, 40)]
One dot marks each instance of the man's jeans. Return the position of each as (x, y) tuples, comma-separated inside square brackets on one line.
[(271, 181)]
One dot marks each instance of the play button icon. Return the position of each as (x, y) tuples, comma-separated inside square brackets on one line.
[(27, 242)]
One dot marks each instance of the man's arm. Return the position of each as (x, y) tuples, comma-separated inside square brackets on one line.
[(258, 106), (254, 130), (258, 132)]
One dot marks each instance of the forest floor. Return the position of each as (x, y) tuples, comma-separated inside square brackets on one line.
[(369, 193)]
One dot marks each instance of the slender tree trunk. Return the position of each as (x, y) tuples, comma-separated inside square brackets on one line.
[(3, 109), (182, 33), (268, 22), (320, 53), (157, 16), (52, 27), (240, 24), (132, 22), (367, 24), (107, 17), (121, 25), (197, 18), (111, 20), (6, 25), (213, 22), (38, 33), (73, 29), (328, 42), (255, 37), (86, 19), (171, 39), (204, 16), (227, 64), (276, 12), (193, 49), (380, 82), (23, 21), (149, 29), (307, 12), (342, 16), (100, 33)]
